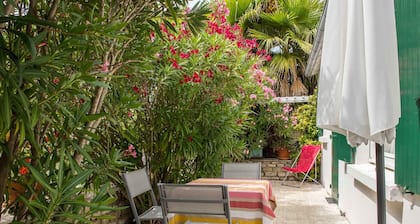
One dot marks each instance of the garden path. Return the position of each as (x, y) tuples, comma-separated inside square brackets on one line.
[(305, 205)]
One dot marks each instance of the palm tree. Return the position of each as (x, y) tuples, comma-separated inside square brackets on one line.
[(285, 29)]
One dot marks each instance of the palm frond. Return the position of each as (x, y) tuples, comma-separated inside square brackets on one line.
[(237, 8), (252, 15), (282, 63), (197, 16), (278, 19), (302, 43)]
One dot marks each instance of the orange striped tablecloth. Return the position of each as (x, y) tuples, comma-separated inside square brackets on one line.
[(251, 202)]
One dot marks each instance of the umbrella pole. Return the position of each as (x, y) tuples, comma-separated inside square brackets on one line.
[(380, 184)]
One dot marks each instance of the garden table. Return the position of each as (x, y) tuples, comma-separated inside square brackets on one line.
[(251, 202)]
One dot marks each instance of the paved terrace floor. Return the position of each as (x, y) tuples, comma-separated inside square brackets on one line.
[(305, 205)]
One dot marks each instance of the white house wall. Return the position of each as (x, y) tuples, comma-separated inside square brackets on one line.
[(358, 200), (411, 209), (326, 160), (357, 191)]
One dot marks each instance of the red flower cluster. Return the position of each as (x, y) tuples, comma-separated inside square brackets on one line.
[(196, 77), (247, 43), (138, 91), (184, 55), (211, 49), (175, 64), (173, 51), (223, 67), (210, 73), (169, 36), (194, 51), (218, 25), (219, 100), (24, 170)]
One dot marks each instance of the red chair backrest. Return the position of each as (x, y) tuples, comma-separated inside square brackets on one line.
[(307, 157)]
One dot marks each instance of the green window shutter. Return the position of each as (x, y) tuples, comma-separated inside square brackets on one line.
[(340, 151), (407, 146)]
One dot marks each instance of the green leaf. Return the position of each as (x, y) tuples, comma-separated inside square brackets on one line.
[(92, 117), (6, 109), (28, 19), (22, 135), (171, 9), (100, 84), (84, 152), (27, 41), (74, 217), (41, 179), (60, 171), (33, 205), (77, 180), (35, 116)]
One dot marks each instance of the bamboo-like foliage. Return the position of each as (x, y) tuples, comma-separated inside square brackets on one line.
[(57, 59)]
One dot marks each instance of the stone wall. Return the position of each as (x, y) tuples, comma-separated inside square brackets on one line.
[(271, 168)]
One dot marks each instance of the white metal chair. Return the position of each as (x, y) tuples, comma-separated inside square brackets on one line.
[(137, 183), (194, 199), (241, 170)]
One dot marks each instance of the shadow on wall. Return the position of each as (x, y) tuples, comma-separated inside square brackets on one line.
[(393, 208)]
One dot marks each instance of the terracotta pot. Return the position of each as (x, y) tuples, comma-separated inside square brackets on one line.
[(283, 153)]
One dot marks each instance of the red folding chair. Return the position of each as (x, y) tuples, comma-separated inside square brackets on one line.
[(303, 163)]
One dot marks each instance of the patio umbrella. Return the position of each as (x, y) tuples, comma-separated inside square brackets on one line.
[(358, 92)]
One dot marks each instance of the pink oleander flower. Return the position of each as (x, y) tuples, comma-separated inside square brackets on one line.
[(194, 51), (163, 28), (130, 151), (270, 80), (294, 120), (175, 64), (196, 78), (184, 55), (152, 36), (42, 44), (173, 51), (105, 67), (210, 74), (184, 29), (268, 92), (277, 99), (287, 108), (129, 114), (234, 102), (56, 80)]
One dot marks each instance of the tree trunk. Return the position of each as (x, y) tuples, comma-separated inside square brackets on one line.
[(6, 160)]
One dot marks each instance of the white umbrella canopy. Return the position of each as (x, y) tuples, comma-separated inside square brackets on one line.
[(358, 86), (358, 92)]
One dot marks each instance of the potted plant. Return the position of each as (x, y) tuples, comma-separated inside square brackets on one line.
[(282, 130), (271, 128), (281, 147)]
